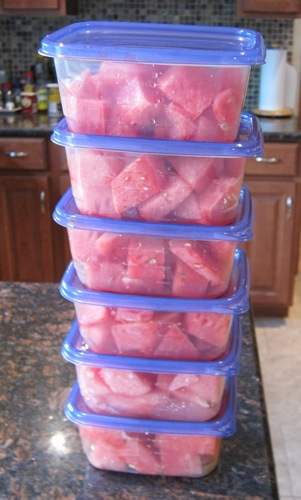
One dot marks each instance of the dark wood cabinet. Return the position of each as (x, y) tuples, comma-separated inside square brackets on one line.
[(29, 250), (273, 251), (39, 7), (26, 252), (269, 8)]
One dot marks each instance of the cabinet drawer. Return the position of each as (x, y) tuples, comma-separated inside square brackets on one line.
[(278, 159), (18, 153)]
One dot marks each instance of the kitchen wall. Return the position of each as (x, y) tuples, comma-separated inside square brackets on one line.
[(20, 36)]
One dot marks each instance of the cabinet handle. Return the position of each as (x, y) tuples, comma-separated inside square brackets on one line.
[(261, 159), (289, 207), (42, 201), (17, 154)]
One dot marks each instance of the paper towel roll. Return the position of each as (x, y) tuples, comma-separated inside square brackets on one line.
[(272, 81)]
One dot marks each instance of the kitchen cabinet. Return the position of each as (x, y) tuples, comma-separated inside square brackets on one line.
[(269, 8), (33, 177), (273, 251), (38, 7), (25, 224), (26, 252)]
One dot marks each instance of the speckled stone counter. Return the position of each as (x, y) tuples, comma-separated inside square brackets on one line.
[(20, 125), (36, 463)]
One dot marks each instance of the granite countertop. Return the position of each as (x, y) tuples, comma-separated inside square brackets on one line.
[(39, 125), (35, 383)]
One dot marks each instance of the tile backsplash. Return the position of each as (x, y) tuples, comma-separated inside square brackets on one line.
[(20, 36)]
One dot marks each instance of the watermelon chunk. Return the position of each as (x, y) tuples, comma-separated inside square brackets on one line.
[(92, 385), (89, 314), (195, 255), (207, 129), (98, 337), (82, 244), (149, 405), (197, 172), (218, 204), (135, 339), (204, 390), (138, 181), (227, 111), (127, 382), (102, 447), (133, 315), (171, 195), (145, 265), (176, 345), (187, 283), (190, 87), (91, 173), (139, 455), (198, 454), (84, 116), (173, 123), (213, 328)]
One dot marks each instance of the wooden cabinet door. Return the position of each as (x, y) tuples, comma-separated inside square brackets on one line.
[(270, 250), (26, 252), (268, 8), (38, 7)]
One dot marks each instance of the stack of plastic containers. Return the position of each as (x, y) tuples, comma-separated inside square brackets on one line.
[(156, 144)]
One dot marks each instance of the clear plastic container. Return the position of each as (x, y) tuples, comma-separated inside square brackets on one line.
[(150, 394), (152, 388), (158, 259), (155, 447), (154, 80), (144, 327), (76, 351), (155, 180)]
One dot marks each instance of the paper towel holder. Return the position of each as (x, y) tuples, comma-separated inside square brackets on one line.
[(280, 78), (279, 113)]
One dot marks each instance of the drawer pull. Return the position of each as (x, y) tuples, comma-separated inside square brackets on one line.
[(42, 201), (289, 207), (17, 154), (261, 159)]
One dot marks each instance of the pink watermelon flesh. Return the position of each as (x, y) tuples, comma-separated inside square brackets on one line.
[(188, 283), (191, 88), (150, 405), (167, 454), (195, 255), (150, 395), (174, 123), (127, 382), (137, 182), (92, 385), (90, 314), (91, 174), (176, 345), (135, 338), (144, 100), (101, 447), (145, 333), (133, 315), (213, 328), (159, 206), (140, 456), (198, 172), (145, 265)]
